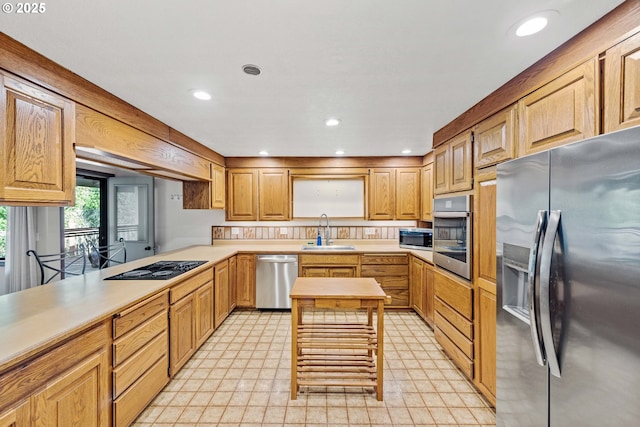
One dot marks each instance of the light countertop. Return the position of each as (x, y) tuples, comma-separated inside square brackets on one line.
[(39, 317)]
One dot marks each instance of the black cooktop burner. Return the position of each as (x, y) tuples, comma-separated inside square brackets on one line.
[(160, 270)]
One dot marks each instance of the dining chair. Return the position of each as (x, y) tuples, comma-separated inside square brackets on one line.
[(72, 262), (108, 255)]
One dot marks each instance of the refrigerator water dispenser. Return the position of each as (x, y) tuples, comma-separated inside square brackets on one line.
[(515, 276)]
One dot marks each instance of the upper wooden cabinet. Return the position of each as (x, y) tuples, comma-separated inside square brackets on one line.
[(494, 138), (218, 186), (426, 196), (274, 200), (394, 193), (258, 194), (408, 193), (205, 194), (242, 196), (382, 193), (36, 154), (562, 111), (452, 163), (622, 85)]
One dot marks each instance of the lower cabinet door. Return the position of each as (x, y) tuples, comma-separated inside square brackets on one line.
[(75, 398), (182, 335)]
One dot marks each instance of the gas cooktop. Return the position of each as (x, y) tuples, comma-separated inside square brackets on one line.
[(160, 270)]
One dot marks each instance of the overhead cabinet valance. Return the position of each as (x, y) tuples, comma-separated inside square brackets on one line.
[(103, 139)]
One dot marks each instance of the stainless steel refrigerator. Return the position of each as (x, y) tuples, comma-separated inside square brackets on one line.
[(568, 255)]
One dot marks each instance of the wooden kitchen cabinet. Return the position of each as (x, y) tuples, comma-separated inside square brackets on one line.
[(328, 265), (621, 83), (453, 319), (242, 195), (394, 193), (422, 289), (452, 162), (418, 291), (18, 416), (485, 330), (36, 153), (408, 193), (485, 283), (233, 283), (64, 386), (562, 111), (494, 139), (391, 271), (275, 199), (205, 325), (74, 398), (140, 357), (218, 186), (246, 280), (205, 194), (382, 193), (191, 317), (426, 193), (221, 284)]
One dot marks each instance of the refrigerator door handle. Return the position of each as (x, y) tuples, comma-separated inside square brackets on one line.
[(548, 248), (536, 337)]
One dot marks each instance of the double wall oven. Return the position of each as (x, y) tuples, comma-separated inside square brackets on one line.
[(452, 234)]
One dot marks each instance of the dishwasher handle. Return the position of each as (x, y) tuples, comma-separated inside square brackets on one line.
[(277, 260)]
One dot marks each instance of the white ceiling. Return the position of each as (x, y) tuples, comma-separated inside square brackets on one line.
[(394, 71)]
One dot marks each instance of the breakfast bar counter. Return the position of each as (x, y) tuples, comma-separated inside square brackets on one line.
[(337, 354)]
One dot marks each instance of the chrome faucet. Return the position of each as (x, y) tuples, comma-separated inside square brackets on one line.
[(327, 229)]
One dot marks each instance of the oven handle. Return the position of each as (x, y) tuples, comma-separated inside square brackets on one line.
[(451, 214)]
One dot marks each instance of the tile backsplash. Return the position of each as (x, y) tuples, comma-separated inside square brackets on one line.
[(302, 232)]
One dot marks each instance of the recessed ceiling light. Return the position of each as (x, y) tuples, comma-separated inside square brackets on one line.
[(533, 23), (339, 152), (264, 153), (532, 26), (200, 94), (406, 151), (252, 70), (332, 122)]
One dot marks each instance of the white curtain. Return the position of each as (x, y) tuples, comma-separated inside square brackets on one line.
[(21, 270)]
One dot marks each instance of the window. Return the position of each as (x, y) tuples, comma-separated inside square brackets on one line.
[(3, 232)]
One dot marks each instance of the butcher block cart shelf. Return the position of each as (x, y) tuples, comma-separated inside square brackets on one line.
[(337, 354)]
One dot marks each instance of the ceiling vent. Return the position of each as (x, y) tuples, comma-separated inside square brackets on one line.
[(252, 70)]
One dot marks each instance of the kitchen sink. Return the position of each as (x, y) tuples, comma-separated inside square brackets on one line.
[(329, 248)]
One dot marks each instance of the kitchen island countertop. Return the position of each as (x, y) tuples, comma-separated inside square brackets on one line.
[(37, 318)]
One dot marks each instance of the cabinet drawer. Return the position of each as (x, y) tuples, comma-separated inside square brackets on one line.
[(384, 259), (393, 282), (131, 403), (461, 341), (453, 317), (128, 344), (129, 371), (371, 270), (334, 259), (399, 297), (459, 358), (189, 285), (457, 295), (339, 303), (131, 318)]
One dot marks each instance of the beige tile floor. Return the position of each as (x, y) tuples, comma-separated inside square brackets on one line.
[(241, 377)]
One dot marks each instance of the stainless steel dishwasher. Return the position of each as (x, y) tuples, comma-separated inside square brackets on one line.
[(275, 275)]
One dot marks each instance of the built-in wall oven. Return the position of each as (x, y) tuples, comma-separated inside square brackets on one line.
[(452, 234)]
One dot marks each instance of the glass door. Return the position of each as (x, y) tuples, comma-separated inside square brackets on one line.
[(130, 205)]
